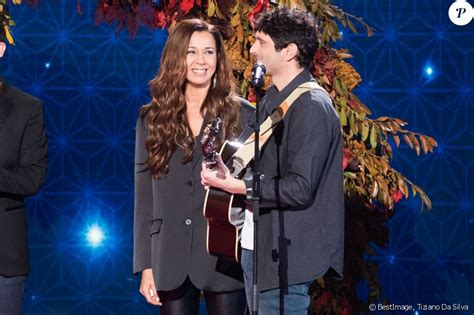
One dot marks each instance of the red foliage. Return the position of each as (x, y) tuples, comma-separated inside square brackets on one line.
[(323, 299), (396, 195), (259, 7), (132, 14), (186, 5), (79, 9), (347, 156), (160, 20)]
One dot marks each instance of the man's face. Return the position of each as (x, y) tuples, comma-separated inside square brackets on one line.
[(264, 51), (3, 47)]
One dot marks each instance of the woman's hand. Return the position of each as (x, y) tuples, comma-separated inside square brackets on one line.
[(148, 289)]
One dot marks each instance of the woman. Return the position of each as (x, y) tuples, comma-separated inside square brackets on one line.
[(193, 86)]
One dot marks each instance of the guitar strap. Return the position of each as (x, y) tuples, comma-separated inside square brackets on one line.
[(246, 152)]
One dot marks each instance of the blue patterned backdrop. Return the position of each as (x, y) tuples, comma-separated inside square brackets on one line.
[(418, 66)]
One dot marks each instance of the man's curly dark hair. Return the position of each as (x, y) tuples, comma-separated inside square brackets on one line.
[(286, 26)]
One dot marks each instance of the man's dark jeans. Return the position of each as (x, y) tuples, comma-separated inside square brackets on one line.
[(295, 302)]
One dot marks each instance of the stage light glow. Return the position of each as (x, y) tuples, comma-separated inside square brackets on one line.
[(47, 65), (391, 259), (95, 236), (429, 70)]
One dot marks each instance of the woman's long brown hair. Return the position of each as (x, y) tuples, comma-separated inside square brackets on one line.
[(166, 119)]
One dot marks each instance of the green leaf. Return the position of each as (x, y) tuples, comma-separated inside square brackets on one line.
[(243, 87), (211, 9), (329, 11), (365, 131), (351, 26), (337, 86), (324, 37), (343, 101), (426, 200), (235, 21), (352, 123), (373, 136), (343, 117), (350, 175)]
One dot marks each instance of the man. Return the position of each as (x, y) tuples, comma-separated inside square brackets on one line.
[(23, 147), (301, 223)]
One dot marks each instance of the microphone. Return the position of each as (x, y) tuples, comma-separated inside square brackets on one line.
[(258, 75)]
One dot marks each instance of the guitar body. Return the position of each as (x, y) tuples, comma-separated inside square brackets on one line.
[(225, 216)]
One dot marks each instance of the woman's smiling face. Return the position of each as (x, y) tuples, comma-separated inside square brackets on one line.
[(201, 59)]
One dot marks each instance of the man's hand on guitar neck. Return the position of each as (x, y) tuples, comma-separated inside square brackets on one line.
[(219, 177)]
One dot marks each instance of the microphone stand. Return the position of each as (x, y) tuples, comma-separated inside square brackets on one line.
[(256, 196)]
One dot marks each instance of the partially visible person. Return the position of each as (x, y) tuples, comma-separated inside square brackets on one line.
[(301, 222), (23, 147), (193, 86)]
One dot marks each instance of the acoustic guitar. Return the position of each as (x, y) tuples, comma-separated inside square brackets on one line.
[(224, 211)]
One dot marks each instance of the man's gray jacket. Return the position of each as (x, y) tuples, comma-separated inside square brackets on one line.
[(301, 226)]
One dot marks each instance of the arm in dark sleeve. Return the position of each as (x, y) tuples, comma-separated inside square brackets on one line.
[(27, 177), (143, 211), (308, 146)]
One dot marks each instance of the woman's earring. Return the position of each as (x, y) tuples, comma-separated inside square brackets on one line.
[(214, 81)]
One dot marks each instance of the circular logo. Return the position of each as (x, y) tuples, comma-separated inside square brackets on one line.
[(460, 12)]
